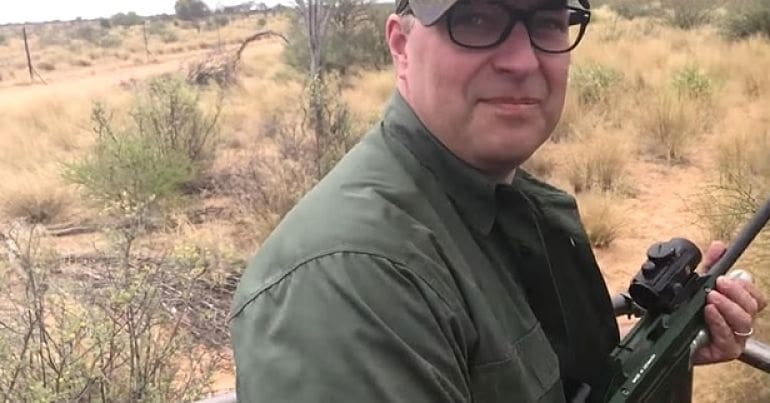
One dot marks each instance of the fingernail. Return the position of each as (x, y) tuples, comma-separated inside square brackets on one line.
[(721, 281)]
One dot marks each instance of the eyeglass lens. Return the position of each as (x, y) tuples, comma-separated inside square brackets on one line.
[(479, 25)]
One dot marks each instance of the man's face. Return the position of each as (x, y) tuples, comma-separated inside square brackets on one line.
[(492, 107)]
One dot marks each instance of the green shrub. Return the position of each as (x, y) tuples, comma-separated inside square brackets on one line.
[(690, 81), (157, 28), (126, 171), (219, 21), (167, 145), (191, 10), (98, 36), (748, 20), (593, 82), (3, 40), (170, 115), (109, 40), (126, 19), (89, 33), (169, 37)]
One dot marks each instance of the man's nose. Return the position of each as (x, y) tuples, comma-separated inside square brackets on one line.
[(516, 55)]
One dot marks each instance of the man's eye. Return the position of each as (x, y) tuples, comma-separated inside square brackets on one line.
[(550, 23), (471, 19)]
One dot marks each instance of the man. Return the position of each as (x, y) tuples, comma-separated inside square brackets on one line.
[(426, 267)]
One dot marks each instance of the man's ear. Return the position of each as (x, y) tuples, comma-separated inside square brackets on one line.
[(396, 35)]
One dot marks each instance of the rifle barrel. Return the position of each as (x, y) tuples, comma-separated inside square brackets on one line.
[(742, 241)]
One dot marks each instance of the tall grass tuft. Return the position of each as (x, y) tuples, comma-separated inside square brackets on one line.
[(599, 162), (669, 126), (603, 219)]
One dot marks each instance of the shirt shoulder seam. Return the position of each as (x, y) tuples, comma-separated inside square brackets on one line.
[(283, 274)]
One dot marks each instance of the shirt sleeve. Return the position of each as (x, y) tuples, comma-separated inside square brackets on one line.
[(349, 327)]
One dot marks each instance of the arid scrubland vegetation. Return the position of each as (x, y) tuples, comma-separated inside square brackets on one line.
[(133, 194)]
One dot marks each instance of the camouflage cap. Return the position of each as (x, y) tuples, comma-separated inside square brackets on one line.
[(428, 12)]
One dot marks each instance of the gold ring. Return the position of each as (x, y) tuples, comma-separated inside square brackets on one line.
[(747, 334)]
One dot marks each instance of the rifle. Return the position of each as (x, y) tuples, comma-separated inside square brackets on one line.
[(653, 362)]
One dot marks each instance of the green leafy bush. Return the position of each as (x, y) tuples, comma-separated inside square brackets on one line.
[(167, 145), (593, 82), (690, 81), (169, 114), (191, 10), (126, 19), (127, 171)]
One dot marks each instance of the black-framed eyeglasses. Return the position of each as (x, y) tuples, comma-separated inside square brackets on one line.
[(482, 25)]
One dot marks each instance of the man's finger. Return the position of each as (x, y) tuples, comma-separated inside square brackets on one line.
[(722, 336), (758, 295), (733, 315), (712, 255), (736, 291)]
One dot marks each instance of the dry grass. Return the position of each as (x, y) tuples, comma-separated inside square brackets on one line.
[(36, 200), (745, 149), (604, 220), (599, 161), (543, 162), (368, 93), (670, 126)]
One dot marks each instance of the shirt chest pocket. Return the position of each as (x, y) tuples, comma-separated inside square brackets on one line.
[(528, 372)]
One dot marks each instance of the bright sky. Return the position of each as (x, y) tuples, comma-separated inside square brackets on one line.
[(17, 11)]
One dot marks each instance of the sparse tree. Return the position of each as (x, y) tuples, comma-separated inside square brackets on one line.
[(126, 19), (191, 10)]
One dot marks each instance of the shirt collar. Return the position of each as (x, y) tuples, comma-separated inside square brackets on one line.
[(472, 192)]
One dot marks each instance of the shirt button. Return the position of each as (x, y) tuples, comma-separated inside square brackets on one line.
[(572, 241)]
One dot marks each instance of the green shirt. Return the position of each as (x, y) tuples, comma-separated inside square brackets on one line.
[(407, 276)]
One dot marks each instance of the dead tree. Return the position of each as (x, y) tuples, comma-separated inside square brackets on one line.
[(316, 16), (222, 68)]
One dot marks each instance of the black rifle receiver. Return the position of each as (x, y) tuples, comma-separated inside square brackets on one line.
[(652, 363)]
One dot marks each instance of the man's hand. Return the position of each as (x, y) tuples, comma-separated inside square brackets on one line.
[(729, 312)]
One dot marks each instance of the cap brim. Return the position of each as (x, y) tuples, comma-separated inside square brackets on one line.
[(430, 11)]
